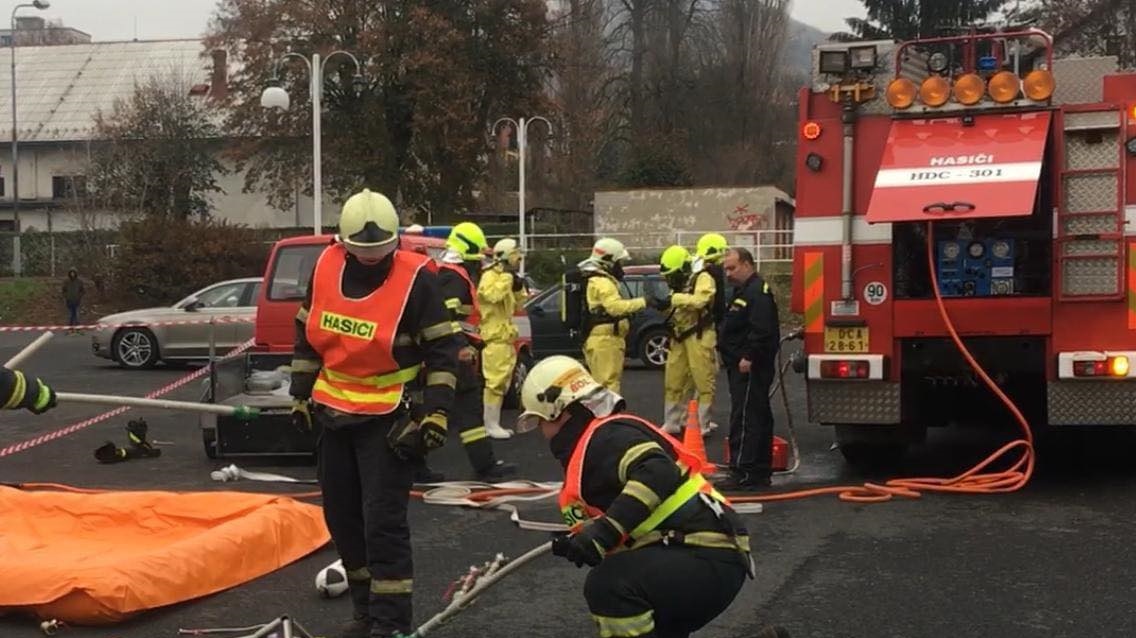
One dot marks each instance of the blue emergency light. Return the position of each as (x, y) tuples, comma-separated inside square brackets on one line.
[(438, 232), (987, 63)]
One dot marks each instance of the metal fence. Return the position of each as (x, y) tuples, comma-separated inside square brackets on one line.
[(767, 246)]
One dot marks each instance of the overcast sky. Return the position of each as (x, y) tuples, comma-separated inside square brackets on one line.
[(154, 19)]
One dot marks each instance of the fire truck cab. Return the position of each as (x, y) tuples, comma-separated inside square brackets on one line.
[(981, 171)]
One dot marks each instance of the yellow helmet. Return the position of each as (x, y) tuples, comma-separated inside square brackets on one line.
[(609, 251), (507, 251), (673, 260), (368, 226), (712, 247), (467, 240), (550, 387)]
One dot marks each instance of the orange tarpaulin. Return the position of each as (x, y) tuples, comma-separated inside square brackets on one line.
[(99, 558)]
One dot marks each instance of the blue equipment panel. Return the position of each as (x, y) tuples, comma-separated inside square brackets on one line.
[(975, 268)]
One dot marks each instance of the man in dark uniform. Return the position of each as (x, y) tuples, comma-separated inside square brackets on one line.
[(458, 276), (748, 341), (19, 390), (668, 552), (372, 319)]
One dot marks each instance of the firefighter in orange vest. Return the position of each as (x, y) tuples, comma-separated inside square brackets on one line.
[(668, 552), (458, 276), (373, 318)]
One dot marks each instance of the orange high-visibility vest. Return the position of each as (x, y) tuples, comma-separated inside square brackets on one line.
[(576, 510), (355, 337), (472, 322)]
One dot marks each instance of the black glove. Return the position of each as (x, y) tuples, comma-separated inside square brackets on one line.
[(136, 431), (302, 414), (38, 396), (661, 304), (412, 439), (579, 549), (518, 283)]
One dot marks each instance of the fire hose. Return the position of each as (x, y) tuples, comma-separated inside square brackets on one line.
[(976, 480), (461, 594)]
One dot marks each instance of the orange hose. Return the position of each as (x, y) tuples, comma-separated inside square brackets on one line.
[(972, 481)]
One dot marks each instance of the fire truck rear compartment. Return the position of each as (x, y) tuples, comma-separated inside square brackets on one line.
[(988, 257), (939, 387)]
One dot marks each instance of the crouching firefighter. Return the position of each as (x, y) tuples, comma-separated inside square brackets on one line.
[(692, 358), (458, 276), (372, 319), (668, 552)]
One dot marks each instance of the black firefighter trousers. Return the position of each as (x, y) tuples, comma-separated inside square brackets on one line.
[(751, 420), (468, 414), (366, 491), (662, 591)]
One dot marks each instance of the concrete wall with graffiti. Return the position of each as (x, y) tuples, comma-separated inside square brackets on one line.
[(650, 211)]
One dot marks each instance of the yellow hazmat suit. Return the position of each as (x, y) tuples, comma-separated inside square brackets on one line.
[(499, 301), (693, 356), (605, 347)]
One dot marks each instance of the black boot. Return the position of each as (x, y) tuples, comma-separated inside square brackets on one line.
[(360, 625), (497, 472)]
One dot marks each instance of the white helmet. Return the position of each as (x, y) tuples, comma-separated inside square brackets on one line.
[(331, 581), (506, 251), (368, 226), (609, 252), (553, 384)]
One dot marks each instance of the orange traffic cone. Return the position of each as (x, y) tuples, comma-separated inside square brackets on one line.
[(692, 437)]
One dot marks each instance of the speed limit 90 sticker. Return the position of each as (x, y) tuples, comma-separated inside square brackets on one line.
[(875, 293)]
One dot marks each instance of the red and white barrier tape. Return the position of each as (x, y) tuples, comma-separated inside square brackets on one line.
[(166, 389), (136, 324)]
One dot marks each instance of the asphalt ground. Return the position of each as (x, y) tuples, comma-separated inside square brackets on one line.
[(1052, 560)]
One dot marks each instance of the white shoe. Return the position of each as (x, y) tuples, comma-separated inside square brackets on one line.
[(704, 418), (493, 423), (673, 414)]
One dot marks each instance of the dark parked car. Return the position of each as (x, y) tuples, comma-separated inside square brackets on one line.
[(647, 340)]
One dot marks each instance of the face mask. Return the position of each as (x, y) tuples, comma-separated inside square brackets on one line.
[(617, 271)]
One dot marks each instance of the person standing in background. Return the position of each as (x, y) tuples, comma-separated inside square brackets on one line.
[(72, 296)]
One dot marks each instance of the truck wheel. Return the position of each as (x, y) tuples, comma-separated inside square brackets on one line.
[(520, 371), (209, 439), (871, 448)]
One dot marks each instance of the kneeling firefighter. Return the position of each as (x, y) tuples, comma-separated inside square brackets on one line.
[(668, 552), (372, 319), (692, 358), (500, 292), (607, 311), (458, 275)]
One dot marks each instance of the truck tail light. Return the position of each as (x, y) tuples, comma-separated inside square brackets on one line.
[(844, 369), (1110, 367)]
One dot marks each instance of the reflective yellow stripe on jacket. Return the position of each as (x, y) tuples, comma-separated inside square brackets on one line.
[(383, 390), (688, 490)]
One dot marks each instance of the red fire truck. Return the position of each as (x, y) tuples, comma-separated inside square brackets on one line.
[(981, 172)]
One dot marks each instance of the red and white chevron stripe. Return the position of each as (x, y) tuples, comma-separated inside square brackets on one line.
[(100, 326)]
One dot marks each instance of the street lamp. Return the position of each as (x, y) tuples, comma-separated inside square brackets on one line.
[(17, 261), (275, 97), (522, 129)]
